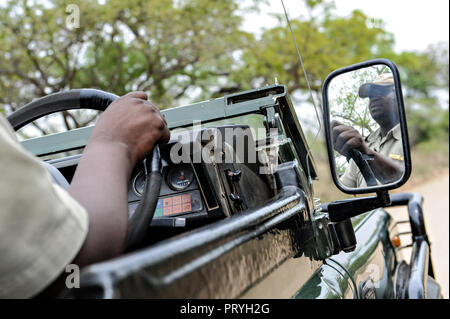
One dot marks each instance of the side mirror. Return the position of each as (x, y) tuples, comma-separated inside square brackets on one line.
[(365, 127)]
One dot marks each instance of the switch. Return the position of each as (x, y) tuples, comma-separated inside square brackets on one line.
[(235, 176), (236, 199)]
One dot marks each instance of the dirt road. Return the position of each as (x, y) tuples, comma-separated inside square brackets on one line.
[(436, 212)]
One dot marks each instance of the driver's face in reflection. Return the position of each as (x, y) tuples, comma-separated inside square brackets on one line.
[(384, 109), (383, 102)]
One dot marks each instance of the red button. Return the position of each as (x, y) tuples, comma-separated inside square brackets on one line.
[(176, 200), (176, 209), (186, 198), (187, 207)]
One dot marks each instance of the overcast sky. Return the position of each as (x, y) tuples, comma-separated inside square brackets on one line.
[(414, 23)]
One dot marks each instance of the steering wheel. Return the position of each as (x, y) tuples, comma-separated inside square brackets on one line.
[(97, 100), (363, 166)]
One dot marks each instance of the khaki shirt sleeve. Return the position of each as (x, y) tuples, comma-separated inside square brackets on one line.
[(350, 177), (42, 227)]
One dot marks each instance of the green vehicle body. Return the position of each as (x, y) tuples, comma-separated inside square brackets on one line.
[(282, 249)]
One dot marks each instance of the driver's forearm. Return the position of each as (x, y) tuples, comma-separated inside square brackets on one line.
[(385, 169), (100, 186)]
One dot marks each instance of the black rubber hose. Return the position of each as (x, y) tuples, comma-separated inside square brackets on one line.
[(142, 217), (62, 101)]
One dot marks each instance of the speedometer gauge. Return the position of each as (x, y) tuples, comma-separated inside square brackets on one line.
[(180, 177), (139, 183)]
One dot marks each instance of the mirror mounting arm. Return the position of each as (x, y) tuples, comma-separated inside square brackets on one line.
[(344, 209)]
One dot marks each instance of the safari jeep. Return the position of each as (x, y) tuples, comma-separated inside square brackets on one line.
[(227, 209)]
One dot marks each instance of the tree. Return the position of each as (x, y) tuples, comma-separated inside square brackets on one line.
[(180, 51), (423, 75), (163, 47), (326, 43), (438, 54)]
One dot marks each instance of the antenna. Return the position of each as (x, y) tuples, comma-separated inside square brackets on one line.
[(309, 89)]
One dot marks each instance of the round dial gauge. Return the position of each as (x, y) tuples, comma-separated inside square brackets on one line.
[(180, 177), (139, 184)]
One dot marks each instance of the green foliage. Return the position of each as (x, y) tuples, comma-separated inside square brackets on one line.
[(439, 55), (427, 124), (180, 50), (163, 47), (418, 73), (326, 43)]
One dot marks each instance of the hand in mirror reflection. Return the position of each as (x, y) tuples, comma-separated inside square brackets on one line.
[(382, 149)]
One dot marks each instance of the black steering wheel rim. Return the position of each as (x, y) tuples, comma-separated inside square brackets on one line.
[(98, 100), (91, 99)]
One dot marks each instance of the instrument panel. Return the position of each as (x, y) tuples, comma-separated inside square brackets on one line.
[(179, 199), (197, 192), (193, 194)]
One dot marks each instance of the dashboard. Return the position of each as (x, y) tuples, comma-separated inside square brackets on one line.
[(179, 198), (197, 191)]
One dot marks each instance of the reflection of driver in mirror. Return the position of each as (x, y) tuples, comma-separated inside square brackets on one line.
[(382, 149)]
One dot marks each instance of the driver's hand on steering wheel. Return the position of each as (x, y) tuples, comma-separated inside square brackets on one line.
[(133, 122), (346, 138), (125, 133)]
